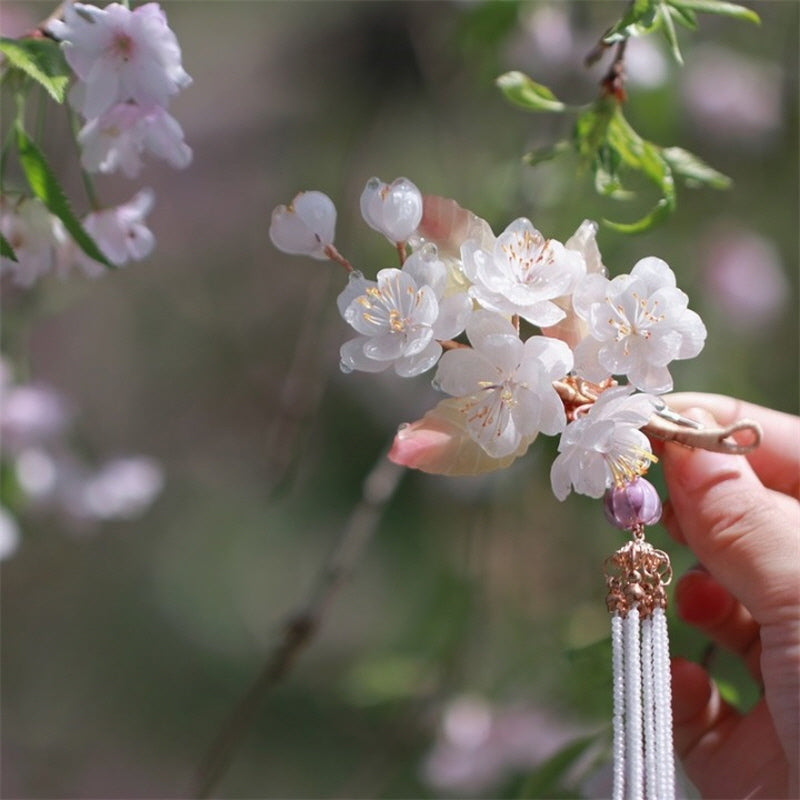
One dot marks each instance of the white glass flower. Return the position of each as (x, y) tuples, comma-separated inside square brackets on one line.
[(120, 233), (119, 55), (118, 138), (30, 230), (504, 387), (604, 447), (401, 316), (394, 209), (523, 273), (572, 329), (638, 324), (306, 226)]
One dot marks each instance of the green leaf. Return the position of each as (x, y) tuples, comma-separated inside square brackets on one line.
[(670, 33), (683, 16), (42, 60), (548, 778), (659, 213), (591, 128), (44, 185), (606, 174), (644, 157), (6, 250), (528, 94), (694, 170), (542, 154), (639, 19), (718, 7)]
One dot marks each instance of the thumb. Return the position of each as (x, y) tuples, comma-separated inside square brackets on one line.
[(744, 534)]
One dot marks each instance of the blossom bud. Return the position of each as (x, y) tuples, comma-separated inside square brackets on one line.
[(634, 503), (395, 209), (306, 226)]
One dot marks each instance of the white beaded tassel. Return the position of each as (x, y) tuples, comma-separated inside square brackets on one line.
[(618, 720), (642, 723), (649, 715), (665, 756), (634, 762)]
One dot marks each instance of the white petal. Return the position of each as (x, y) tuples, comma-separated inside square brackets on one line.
[(427, 269), (543, 314), (353, 357), (560, 477), (463, 371), (587, 364), (693, 331), (486, 323), (356, 285), (592, 289), (410, 365), (584, 241), (454, 311), (649, 378), (554, 356), (318, 212), (386, 347), (655, 273)]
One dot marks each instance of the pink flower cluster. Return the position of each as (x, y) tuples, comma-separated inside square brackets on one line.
[(128, 67)]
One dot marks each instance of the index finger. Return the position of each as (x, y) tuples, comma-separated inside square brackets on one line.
[(776, 460)]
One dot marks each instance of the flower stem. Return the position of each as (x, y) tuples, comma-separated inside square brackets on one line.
[(334, 255)]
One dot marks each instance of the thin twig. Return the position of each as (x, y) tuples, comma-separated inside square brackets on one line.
[(302, 387), (613, 84), (379, 486)]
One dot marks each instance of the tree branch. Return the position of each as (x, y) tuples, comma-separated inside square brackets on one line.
[(301, 626)]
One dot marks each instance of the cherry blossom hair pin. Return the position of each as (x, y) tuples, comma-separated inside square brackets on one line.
[(469, 303)]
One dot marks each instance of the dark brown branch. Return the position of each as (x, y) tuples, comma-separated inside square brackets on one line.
[(379, 486)]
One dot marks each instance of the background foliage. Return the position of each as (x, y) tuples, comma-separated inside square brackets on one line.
[(124, 648)]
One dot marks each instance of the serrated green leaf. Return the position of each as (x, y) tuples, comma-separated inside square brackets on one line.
[(640, 18), (526, 93), (718, 7), (693, 169), (6, 250), (543, 154), (548, 779), (670, 34), (46, 187), (42, 60)]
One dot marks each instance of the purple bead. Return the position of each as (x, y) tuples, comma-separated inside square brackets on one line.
[(635, 503)]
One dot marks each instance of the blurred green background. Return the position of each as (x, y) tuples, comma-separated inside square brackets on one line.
[(469, 644)]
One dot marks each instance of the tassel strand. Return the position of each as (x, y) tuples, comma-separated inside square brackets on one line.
[(636, 576)]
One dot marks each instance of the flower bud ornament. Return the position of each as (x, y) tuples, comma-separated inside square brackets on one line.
[(395, 209), (632, 504), (306, 226)]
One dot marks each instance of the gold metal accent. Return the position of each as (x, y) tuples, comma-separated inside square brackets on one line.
[(637, 576)]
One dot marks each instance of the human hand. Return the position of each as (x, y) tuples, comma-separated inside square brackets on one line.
[(741, 518)]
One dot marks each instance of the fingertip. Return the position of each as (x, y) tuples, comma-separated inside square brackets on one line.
[(691, 691), (701, 600)]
